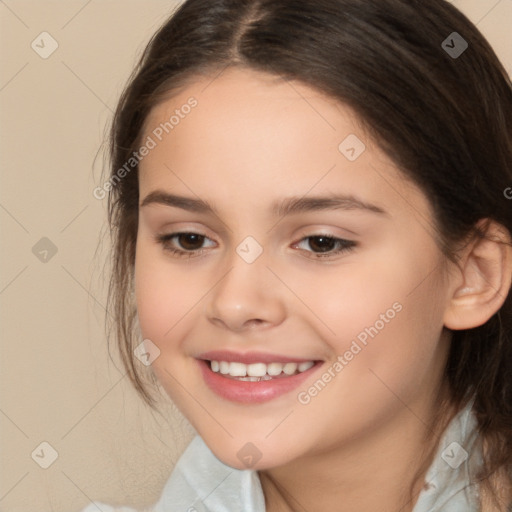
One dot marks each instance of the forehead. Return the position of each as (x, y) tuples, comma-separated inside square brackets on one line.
[(257, 135), (250, 107), (238, 88)]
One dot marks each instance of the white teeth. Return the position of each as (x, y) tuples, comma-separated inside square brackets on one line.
[(238, 370), (304, 366), (258, 371), (256, 379), (274, 368), (290, 368)]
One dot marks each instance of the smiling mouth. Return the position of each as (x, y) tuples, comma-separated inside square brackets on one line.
[(256, 372), (254, 381)]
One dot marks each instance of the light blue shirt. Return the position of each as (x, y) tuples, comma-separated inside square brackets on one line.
[(202, 483)]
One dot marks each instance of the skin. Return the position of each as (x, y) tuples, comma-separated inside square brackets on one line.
[(253, 140)]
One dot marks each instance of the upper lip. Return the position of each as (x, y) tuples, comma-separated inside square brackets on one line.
[(249, 357)]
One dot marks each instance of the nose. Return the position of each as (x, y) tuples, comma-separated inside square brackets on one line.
[(247, 297)]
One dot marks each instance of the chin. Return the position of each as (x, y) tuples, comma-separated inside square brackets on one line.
[(249, 455)]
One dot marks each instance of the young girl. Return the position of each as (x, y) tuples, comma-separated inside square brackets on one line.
[(311, 205)]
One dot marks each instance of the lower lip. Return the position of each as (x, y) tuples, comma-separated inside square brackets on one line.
[(251, 392)]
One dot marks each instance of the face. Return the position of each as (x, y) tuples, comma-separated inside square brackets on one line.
[(276, 240)]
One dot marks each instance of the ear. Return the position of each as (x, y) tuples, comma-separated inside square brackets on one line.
[(483, 281)]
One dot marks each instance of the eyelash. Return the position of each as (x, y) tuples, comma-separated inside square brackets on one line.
[(164, 240)]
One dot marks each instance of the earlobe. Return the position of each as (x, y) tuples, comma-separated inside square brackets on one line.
[(482, 287)]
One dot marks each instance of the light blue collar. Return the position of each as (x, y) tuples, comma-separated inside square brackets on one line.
[(458, 458)]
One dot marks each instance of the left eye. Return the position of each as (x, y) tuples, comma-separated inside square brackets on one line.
[(326, 245)]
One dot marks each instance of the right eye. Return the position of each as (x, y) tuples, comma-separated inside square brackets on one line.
[(190, 243)]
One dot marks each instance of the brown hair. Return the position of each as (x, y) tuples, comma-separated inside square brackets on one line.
[(444, 119)]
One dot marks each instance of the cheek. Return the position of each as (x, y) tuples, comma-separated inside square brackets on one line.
[(386, 316), (163, 296), (353, 297), (165, 301)]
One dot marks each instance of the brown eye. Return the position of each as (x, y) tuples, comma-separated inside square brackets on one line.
[(184, 244), (322, 243), (190, 241), (324, 246)]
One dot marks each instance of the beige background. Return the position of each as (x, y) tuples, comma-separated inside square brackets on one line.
[(58, 384)]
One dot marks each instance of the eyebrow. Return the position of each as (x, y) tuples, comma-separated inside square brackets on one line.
[(287, 206)]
